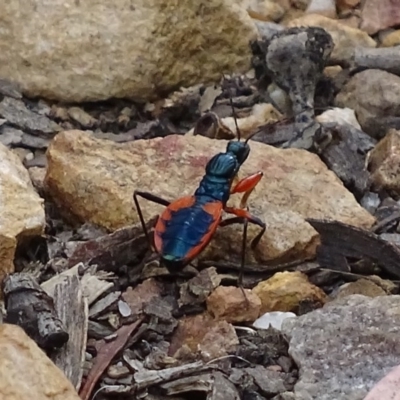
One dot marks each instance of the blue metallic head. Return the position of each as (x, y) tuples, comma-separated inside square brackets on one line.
[(241, 150)]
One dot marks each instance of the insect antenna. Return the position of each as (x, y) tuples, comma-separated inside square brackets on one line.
[(250, 136), (233, 113)]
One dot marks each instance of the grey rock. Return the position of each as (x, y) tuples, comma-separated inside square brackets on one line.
[(270, 383), (10, 136), (344, 348), (17, 114)]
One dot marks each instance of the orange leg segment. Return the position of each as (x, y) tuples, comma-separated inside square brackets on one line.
[(246, 186)]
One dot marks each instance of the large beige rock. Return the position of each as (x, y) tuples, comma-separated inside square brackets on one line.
[(21, 208), (26, 372), (94, 179), (83, 50), (345, 38)]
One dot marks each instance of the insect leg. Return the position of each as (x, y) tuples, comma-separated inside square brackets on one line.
[(247, 185), (154, 199), (241, 215), (244, 217)]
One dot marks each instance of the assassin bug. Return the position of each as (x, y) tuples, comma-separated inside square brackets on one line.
[(187, 224)]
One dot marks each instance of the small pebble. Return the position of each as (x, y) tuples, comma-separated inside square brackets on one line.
[(124, 308), (274, 319)]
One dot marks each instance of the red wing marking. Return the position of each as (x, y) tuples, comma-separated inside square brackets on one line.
[(215, 209), (183, 202)]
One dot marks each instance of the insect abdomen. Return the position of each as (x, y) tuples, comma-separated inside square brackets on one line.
[(181, 234)]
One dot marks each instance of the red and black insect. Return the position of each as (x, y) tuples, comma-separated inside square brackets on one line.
[(187, 224)]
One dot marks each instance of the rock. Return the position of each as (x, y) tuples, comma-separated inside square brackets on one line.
[(363, 338), (17, 114), (332, 71), (269, 382), (82, 117), (364, 287), (37, 176), (26, 372), (326, 8), (21, 211), (196, 290), (22, 153), (379, 14), (372, 94), (273, 319), (344, 5), (339, 116), (384, 164), (392, 39), (141, 295), (285, 291), (345, 39), (387, 387), (121, 49), (203, 334), (228, 303), (268, 29), (11, 137), (300, 4), (95, 180), (266, 10)]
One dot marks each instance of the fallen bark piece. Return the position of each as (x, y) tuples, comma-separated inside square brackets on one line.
[(386, 59), (104, 304), (277, 133), (74, 315), (92, 284), (215, 385), (349, 241), (145, 378), (26, 372), (344, 150), (105, 355), (29, 307), (113, 250), (286, 291)]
